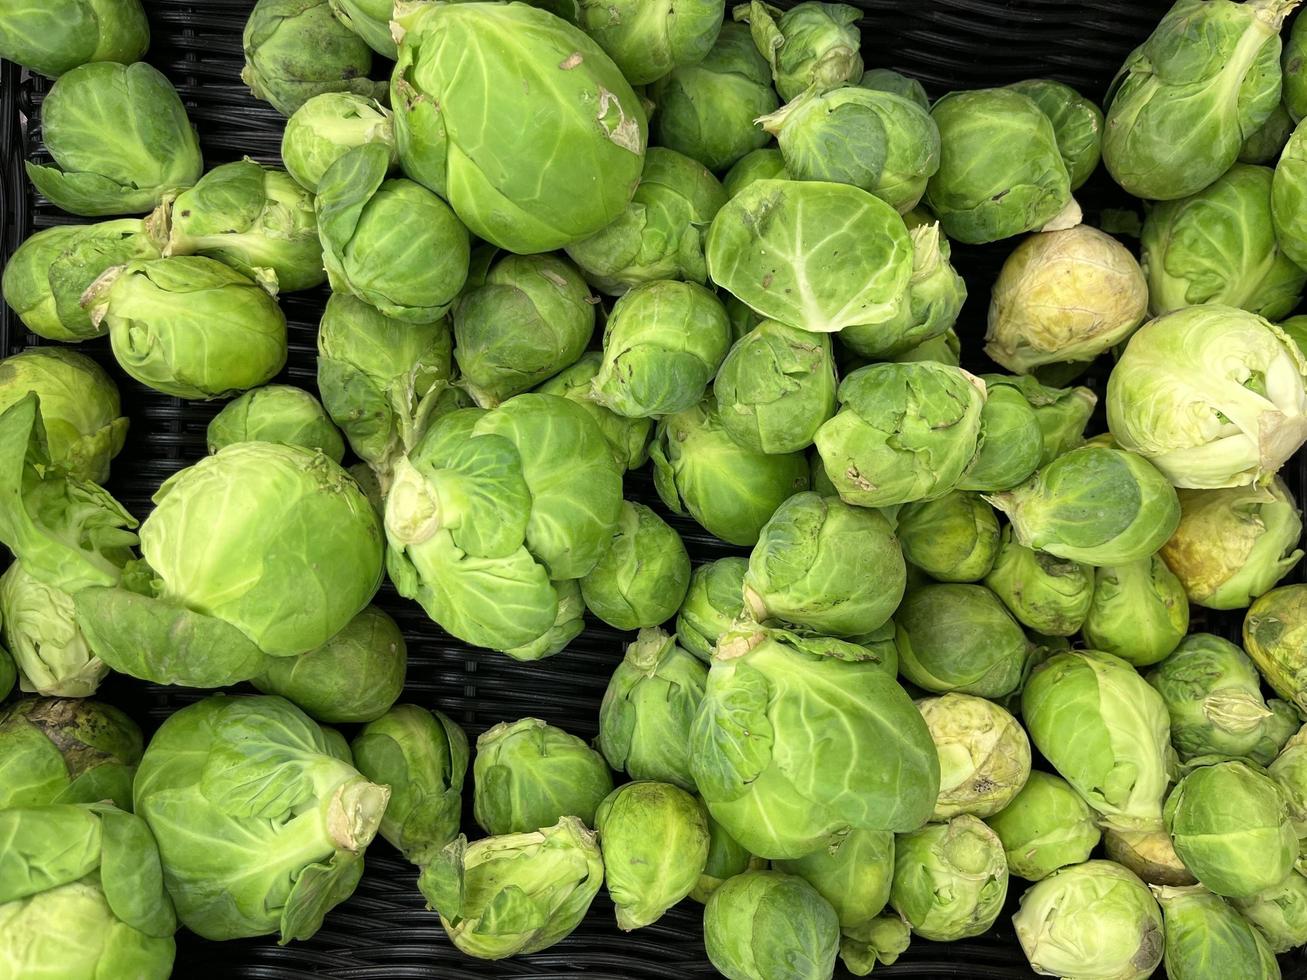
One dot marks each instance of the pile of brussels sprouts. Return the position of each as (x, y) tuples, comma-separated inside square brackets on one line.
[(563, 244)]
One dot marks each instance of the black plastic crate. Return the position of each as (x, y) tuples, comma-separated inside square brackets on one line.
[(384, 931)]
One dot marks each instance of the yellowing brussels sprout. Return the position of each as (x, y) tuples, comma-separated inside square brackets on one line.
[(1046, 826), (713, 604), (41, 632), (762, 925), (1139, 611), (953, 538), (1206, 937), (1092, 920), (960, 638), (328, 126), (726, 859), (1046, 594), (646, 40), (1279, 913), (809, 45), (276, 413), (51, 38), (1265, 144), (120, 139), (1062, 413), (1011, 442), (1273, 634), (854, 874), (1064, 295), (628, 438), (950, 879), (763, 164), (641, 580), (1288, 197), (1077, 124), (1150, 854), (984, 756), (370, 20), (888, 80)]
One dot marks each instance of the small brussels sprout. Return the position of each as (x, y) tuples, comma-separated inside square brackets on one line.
[(1139, 611), (647, 41), (80, 408), (1206, 937), (853, 874), (950, 879), (984, 756), (730, 490), (1064, 296), (1077, 124), (1046, 826), (628, 438), (422, 756), (654, 839), (1011, 442), (528, 774), (276, 413), (713, 604), (823, 565), (1150, 854), (51, 38), (960, 638), (888, 80), (810, 45), (370, 20), (120, 139), (726, 859), (642, 579), (1273, 635), (1046, 594), (41, 632), (1265, 144), (662, 345), (953, 538), (875, 454), (767, 163), (1279, 913), (762, 925), (1062, 413), (879, 942), (1092, 920), (328, 126), (296, 49)]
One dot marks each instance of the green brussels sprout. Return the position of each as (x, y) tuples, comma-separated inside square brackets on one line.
[(120, 139), (48, 648), (51, 38), (1230, 824), (528, 774), (1289, 769), (276, 413), (1011, 442), (628, 438), (370, 20), (354, 677), (768, 692), (1095, 505), (884, 143), (726, 859), (67, 751), (390, 242), (1139, 611), (953, 538), (1094, 919), (1046, 594), (1295, 78), (80, 409), (950, 879), (810, 45), (1062, 413), (1206, 937), (984, 756), (960, 638), (48, 273), (1273, 633), (767, 163), (1265, 144), (328, 126), (730, 490), (823, 565), (190, 326), (1064, 295), (875, 454), (1106, 732), (1279, 913), (765, 925), (888, 80), (276, 861), (422, 756), (706, 109), (642, 579), (879, 942), (654, 839), (662, 345), (1077, 124), (646, 41), (1046, 826), (569, 623), (1205, 418), (713, 604), (296, 49), (1150, 854), (527, 169)]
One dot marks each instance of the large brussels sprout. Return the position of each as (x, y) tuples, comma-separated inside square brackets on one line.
[(707, 109), (1273, 634), (276, 413), (1279, 913), (1062, 413), (261, 820), (1046, 594), (1106, 732), (810, 45), (370, 20), (766, 163), (853, 873), (826, 566), (984, 756), (120, 139), (1011, 442), (726, 859), (765, 925), (515, 894), (730, 490), (628, 438), (41, 632), (1214, 396), (753, 752), (529, 167), (960, 638), (950, 879), (1046, 826), (54, 37), (1092, 920), (1077, 124), (1233, 544), (190, 326), (713, 604), (328, 126), (1139, 611), (1205, 937), (1288, 197), (1062, 296), (422, 756), (646, 41), (953, 538), (641, 580)]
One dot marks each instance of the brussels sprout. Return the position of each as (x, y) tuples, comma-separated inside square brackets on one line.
[(296, 49), (765, 925), (1077, 124), (67, 751), (1046, 826), (49, 650), (515, 894), (1288, 197), (1273, 635), (1150, 854), (1205, 937), (1092, 920), (120, 139), (48, 273), (1279, 913), (1289, 769), (646, 41), (1046, 594), (888, 80), (853, 874), (1264, 144), (726, 859), (854, 266), (960, 638), (767, 163), (370, 20), (80, 409), (51, 38), (627, 438), (1106, 732), (328, 126), (276, 413), (1011, 442), (1064, 296), (706, 110), (1139, 611), (391, 243), (984, 756), (875, 454), (642, 579), (879, 942), (950, 879), (810, 45), (662, 345), (730, 490), (1230, 824), (1206, 418), (768, 691), (713, 604), (1062, 413), (953, 538), (422, 756), (1295, 78)]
